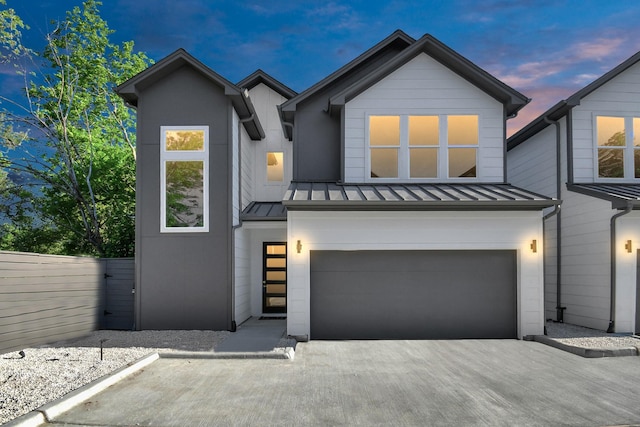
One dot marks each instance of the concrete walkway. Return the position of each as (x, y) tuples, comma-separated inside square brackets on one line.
[(255, 336)]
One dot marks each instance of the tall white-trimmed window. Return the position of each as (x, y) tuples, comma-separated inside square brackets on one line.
[(617, 146), (184, 177), (412, 147)]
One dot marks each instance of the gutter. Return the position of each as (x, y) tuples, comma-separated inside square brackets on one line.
[(234, 227), (556, 212), (612, 306)]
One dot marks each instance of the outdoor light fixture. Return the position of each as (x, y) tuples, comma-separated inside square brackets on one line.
[(534, 246), (628, 247), (299, 246)]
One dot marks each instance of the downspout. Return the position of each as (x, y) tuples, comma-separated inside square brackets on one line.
[(612, 306), (236, 226), (556, 212)]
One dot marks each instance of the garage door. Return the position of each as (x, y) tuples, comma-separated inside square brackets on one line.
[(413, 294)]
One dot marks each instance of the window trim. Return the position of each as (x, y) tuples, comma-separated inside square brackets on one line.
[(628, 149), (404, 147), (175, 155)]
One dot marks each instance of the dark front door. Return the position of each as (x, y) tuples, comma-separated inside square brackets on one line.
[(274, 278)]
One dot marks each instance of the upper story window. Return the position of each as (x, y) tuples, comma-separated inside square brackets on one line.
[(423, 146), (618, 146), (275, 166), (184, 170)]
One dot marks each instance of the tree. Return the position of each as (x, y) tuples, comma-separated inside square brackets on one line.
[(72, 139)]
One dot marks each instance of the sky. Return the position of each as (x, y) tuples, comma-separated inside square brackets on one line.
[(546, 49)]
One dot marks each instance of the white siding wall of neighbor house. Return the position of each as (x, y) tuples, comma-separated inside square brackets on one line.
[(532, 165), (423, 86), (628, 228), (585, 260), (416, 231), (619, 96), (265, 101)]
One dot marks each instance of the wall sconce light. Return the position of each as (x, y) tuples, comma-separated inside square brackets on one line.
[(628, 246), (299, 246), (534, 246)]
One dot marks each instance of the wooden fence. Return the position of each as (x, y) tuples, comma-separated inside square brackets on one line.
[(47, 298)]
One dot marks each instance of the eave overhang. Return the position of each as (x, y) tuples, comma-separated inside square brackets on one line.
[(509, 97), (562, 108), (130, 89), (621, 196)]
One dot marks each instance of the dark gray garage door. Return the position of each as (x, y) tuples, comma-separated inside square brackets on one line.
[(413, 294)]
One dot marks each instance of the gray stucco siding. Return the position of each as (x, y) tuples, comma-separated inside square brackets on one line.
[(184, 278)]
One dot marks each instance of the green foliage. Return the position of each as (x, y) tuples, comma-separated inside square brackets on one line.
[(74, 139)]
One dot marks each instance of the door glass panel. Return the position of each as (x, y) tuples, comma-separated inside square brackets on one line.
[(276, 289), (276, 302), (276, 275), (276, 250), (276, 262)]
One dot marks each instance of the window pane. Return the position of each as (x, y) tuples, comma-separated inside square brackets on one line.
[(462, 130), (384, 163), (184, 197), (276, 302), (462, 162), (184, 140), (384, 130), (423, 130), (423, 162), (610, 131), (276, 289), (636, 161), (275, 166), (611, 162), (636, 131)]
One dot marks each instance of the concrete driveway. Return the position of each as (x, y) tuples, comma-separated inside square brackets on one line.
[(436, 383)]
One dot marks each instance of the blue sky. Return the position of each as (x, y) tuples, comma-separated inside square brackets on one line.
[(546, 49)]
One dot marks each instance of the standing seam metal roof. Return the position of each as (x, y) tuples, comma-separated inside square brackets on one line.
[(620, 195), (408, 196)]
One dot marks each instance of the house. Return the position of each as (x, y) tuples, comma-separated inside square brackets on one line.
[(585, 151), (372, 205)]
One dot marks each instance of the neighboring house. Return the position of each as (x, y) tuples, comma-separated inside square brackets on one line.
[(398, 221), (585, 150)]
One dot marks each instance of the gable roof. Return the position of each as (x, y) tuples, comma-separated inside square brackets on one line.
[(511, 98), (396, 39), (129, 90), (259, 76), (562, 108)]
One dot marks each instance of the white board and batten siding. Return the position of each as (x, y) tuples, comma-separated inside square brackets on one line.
[(417, 231), (532, 165), (586, 260), (242, 284), (241, 152), (265, 101), (423, 86), (618, 97)]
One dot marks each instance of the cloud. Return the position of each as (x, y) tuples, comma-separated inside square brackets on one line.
[(597, 50)]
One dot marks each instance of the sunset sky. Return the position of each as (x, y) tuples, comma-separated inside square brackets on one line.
[(545, 49)]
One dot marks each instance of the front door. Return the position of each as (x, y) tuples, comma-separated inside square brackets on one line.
[(274, 278)]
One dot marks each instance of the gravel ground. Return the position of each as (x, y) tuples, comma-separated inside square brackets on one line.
[(579, 336), (49, 372)]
